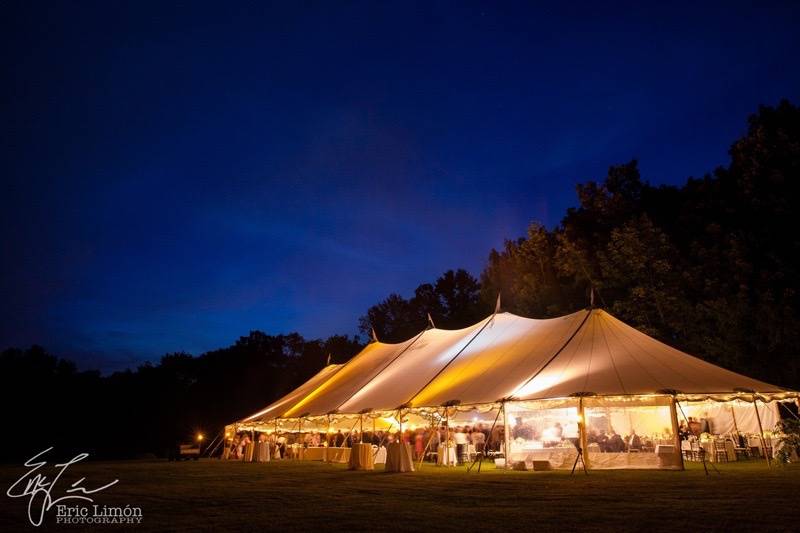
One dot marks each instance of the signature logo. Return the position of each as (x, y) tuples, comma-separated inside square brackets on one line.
[(41, 489)]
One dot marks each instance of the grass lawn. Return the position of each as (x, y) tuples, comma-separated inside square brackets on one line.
[(290, 496)]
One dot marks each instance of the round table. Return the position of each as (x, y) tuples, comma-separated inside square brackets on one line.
[(380, 454), (361, 457), (446, 455), (398, 457)]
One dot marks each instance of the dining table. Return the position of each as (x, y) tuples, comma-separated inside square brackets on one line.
[(335, 454), (398, 457), (446, 455), (361, 457), (380, 454)]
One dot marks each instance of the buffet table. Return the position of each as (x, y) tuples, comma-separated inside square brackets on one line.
[(315, 454), (558, 456), (334, 454)]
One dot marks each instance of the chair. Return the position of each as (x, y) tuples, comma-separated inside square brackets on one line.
[(743, 453), (698, 452), (686, 450), (720, 454)]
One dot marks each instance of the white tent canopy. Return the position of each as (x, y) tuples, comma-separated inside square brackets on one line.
[(584, 366), (507, 357)]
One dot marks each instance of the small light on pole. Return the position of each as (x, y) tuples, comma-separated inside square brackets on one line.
[(199, 437)]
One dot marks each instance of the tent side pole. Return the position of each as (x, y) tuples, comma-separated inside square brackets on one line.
[(447, 437), (761, 433), (582, 433), (506, 434), (676, 437), (327, 440)]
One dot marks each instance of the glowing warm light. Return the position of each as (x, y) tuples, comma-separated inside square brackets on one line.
[(199, 437), (538, 384)]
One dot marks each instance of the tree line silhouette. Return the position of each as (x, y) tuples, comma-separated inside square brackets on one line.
[(710, 267)]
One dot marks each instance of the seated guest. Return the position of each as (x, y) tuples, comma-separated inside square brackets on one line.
[(683, 430), (602, 441), (694, 426), (615, 443), (634, 441), (522, 430)]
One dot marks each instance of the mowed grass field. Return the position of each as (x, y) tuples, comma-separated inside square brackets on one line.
[(300, 496)]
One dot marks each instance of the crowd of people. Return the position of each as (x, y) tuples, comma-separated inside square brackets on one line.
[(610, 441), (424, 442)]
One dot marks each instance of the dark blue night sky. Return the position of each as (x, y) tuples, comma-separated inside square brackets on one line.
[(174, 177)]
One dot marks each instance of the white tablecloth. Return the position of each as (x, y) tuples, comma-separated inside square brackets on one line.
[(261, 454), (446, 456), (380, 454), (294, 451)]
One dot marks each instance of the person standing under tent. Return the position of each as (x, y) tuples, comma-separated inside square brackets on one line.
[(419, 445), (460, 439), (478, 439)]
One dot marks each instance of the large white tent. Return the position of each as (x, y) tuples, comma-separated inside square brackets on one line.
[(584, 373)]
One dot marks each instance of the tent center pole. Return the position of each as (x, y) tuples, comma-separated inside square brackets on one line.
[(676, 437), (584, 440)]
